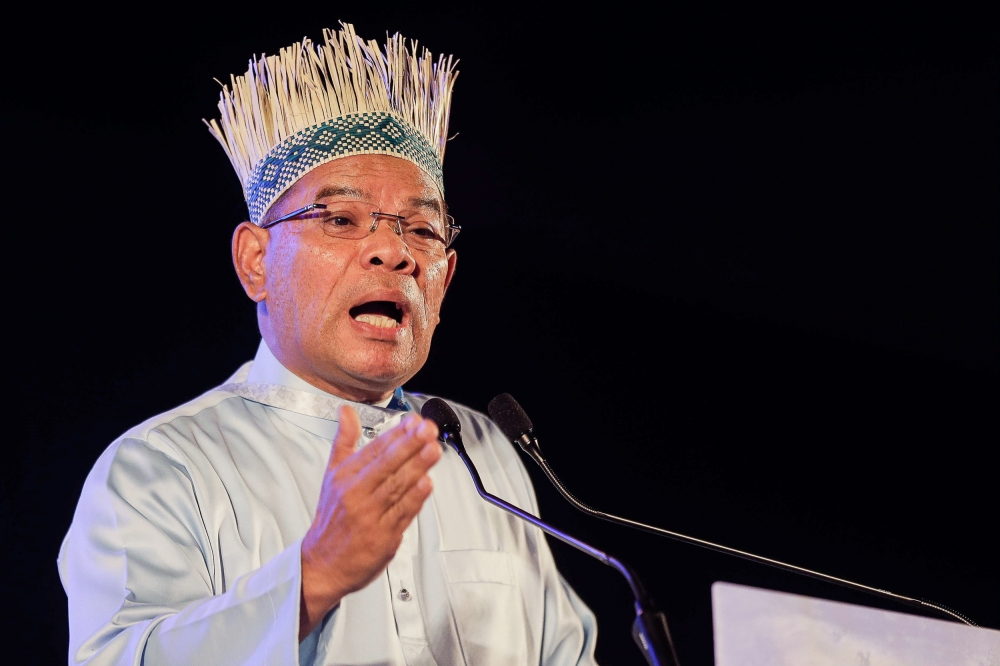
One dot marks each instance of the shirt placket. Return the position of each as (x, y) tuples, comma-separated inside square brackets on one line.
[(405, 601)]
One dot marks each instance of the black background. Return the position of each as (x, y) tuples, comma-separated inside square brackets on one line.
[(740, 267)]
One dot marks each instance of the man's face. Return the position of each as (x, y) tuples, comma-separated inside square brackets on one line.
[(352, 317)]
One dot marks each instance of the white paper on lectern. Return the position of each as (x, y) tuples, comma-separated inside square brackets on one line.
[(755, 627)]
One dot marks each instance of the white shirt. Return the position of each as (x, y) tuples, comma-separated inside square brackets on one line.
[(185, 545)]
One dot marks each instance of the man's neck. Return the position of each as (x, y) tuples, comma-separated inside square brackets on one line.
[(267, 369)]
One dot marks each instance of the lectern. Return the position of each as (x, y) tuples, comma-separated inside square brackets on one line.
[(755, 627)]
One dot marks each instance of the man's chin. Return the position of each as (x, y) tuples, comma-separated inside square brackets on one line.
[(371, 366), (379, 376)]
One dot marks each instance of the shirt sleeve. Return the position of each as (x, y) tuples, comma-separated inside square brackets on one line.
[(137, 567), (571, 635)]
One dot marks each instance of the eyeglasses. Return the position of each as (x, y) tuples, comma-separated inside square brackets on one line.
[(350, 222)]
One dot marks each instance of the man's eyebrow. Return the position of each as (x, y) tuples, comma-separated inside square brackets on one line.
[(424, 202), (341, 191)]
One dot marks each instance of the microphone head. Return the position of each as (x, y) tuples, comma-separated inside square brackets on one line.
[(509, 416), (443, 415)]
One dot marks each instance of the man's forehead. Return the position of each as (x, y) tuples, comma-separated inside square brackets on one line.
[(372, 178), (425, 199)]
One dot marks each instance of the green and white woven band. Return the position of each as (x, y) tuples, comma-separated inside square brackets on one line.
[(369, 133)]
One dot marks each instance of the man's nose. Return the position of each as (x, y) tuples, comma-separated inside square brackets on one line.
[(384, 249)]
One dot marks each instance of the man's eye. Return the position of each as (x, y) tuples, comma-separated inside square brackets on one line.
[(339, 221), (423, 232)]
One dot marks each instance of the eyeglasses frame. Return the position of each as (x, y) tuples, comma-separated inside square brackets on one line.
[(397, 228)]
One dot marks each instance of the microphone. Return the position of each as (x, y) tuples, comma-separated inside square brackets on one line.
[(649, 630), (518, 428)]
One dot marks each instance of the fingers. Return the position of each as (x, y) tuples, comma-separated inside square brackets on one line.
[(397, 484), (415, 435), (392, 466), (348, 433), (383, 442), (399, 515)]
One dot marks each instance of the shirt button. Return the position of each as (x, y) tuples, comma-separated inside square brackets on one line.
[(370, 433), (404, 594)]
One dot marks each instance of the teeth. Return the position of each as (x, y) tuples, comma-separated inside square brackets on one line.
[(377, 320)]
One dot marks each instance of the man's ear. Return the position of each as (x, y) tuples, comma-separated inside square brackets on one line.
[(452, 260), (249, 247)]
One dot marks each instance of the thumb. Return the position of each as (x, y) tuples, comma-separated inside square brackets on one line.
[(346, 441)]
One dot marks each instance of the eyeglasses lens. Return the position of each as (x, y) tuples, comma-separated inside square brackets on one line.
[(354, 222)]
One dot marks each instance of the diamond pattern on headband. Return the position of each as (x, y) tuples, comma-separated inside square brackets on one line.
[(353, 134)]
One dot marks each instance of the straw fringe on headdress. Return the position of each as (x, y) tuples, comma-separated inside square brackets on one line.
[(312, 104)]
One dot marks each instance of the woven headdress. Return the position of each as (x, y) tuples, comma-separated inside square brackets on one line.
[(311, 104)]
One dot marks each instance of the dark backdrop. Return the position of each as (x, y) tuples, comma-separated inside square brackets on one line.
[(739, 267)]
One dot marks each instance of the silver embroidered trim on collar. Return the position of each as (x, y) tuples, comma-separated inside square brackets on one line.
[(307, 404)]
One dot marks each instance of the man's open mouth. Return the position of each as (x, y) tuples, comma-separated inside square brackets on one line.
[(383, 314)]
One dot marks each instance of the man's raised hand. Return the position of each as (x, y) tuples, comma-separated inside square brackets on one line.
[(367, 500)]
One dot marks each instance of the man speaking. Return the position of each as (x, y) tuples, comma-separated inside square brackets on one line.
[(303, 512)]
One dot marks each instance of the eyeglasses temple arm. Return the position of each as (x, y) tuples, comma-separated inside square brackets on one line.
[(294, 213)]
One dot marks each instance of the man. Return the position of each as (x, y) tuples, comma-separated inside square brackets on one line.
[(303, 512)]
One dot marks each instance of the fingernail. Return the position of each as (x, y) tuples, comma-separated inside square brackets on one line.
[(424, 484), (431, 451)]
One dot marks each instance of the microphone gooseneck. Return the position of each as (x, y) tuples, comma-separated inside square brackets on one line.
[(650, 629), (517, 427)]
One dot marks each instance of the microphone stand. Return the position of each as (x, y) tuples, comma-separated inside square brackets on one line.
[(649, 629), (529, 443)]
